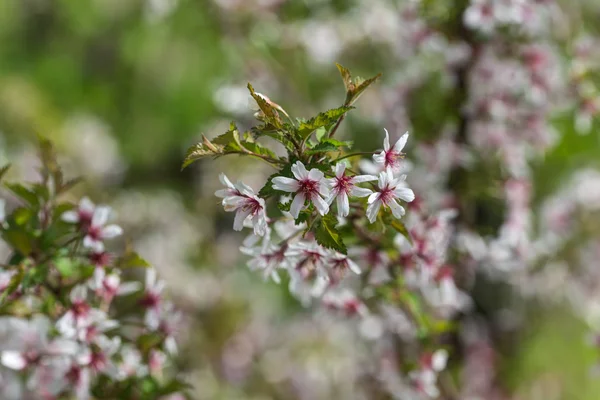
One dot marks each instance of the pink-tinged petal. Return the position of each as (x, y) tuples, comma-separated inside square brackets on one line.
[(225, 181), (401, 143), (240, 217), (111, 231), (316, 175), (13, 360), (363, 178), (405, 194), (78, 293), (353, 266), (100, 215), (71, 217), (360, 192), (86, 205), (324, 189), (439, 360), (245, 189), (373, 210), (150, 277), (397, 209), (230, 203), (299, 170), (379, 158), (332, 195), (297, 205), (128, 288), (383, 180), (285, 184), (386, 141), (320, 204), (343, 205), (373, 197), (222, 193), (340, 168)]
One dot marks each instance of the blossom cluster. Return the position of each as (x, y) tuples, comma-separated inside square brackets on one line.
[(75, 322)]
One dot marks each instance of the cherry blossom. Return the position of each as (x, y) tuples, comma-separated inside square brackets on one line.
[(310, 186), (246, 204), (390, 189), (391, 157), (344, 186)]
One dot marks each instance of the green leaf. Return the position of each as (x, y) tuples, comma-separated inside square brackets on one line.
[(322, 120), (132, 260), (269, 111), (19, 240), (4, 170), (327, 145), (354, 87), (200, 150), (327, 235), (25, 194), (65, 266)]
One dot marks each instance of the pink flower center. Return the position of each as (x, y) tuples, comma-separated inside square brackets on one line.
[(252, 205), (386, 194), (95, 232), (150, 300), (100, 259), (80, 308), (98, 361), (308, 187), (343, 184)]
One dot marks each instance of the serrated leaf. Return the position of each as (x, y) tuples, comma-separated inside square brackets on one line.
[(346, 77), (268, 110), (327, 235), (198, 151), (362, 87), (354, 87), (25, 194), (322, 120), (327, 145)]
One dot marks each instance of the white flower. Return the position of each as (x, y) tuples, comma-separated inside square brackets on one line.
[(480, 15), (78, 316), (343, 186), (390, 157), (246, 204), (390, 189), (310, 186), (83, 215), (152, 299), (95, 226)]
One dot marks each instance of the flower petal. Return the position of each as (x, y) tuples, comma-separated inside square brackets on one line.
[(397, 209), (71, 217), (320, 204), (386, 141), (340, 168), (401, 143), (360, 192), (297, 205), (111, 231), (240, 217), (100, 215), (373, 209), (285, 184), (363, 178), (343, 205), (404, 193), (316, 175), (299, 170)]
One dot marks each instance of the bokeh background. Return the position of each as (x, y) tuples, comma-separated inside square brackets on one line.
[(123, 87)]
